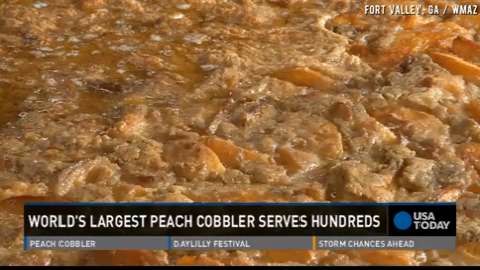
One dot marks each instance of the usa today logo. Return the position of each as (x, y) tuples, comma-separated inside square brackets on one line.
[(420, 221), (402, 221)]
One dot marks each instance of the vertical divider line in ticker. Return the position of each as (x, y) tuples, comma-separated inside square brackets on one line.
[(314, 242), (169, 240), (388, 219)]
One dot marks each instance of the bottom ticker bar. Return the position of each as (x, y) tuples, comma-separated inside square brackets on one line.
[(238, 242)]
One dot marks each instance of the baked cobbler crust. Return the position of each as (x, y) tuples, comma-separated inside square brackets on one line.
[(249, 100)]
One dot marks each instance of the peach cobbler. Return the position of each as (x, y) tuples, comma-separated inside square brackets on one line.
[(237, 101)]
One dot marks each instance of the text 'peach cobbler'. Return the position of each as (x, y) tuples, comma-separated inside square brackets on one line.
[(237, 101)]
